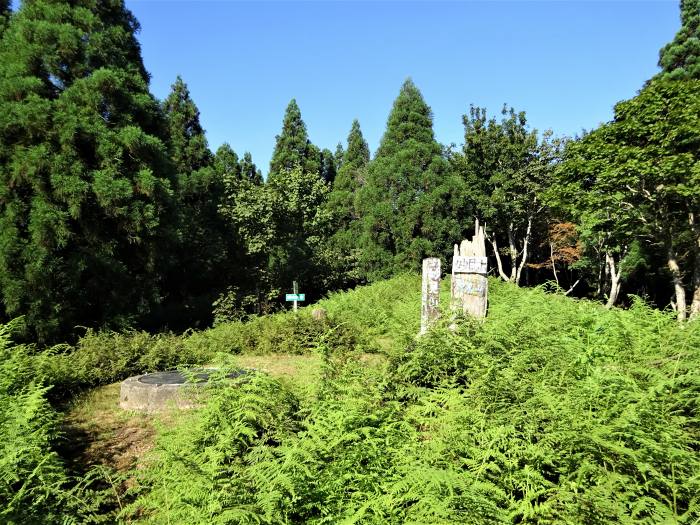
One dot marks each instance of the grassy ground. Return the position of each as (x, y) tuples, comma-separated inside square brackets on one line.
[(98, 432)]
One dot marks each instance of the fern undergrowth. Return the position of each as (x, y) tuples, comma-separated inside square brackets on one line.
[(551, 411)]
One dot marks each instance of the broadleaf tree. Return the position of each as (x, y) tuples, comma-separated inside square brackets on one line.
[(647, 162), (505, 166)]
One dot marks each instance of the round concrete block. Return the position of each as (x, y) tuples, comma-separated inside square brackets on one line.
[(164, 390)]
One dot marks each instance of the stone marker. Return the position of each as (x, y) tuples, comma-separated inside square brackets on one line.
[(469, 269), (319, 314), (430, 306)]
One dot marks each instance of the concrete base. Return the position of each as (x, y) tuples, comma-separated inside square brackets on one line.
[(164, 390)]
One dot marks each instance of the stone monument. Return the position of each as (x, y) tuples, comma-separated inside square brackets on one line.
[(469, 269), (430, 305)]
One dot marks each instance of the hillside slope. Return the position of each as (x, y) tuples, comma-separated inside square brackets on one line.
[(551, 411)]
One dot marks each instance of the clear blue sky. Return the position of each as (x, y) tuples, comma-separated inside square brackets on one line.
[(565, 63)]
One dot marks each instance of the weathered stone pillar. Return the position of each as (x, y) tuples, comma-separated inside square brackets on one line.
[(430, 306), (469, 269), (319, 314)]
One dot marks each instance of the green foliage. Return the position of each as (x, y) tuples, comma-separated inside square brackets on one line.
[(283, 333), (384, 313), (357, 154), (637, 176), (680, 59), (249, 171), (255, 413), (344, 213), (32, 477), (284, 227), (203, 257), (338, 155), (328, 168), (86, 185), (190, 150), (105, 357), (550, 411), (506, 167), (412, 206), (5, 13), (292, 147)]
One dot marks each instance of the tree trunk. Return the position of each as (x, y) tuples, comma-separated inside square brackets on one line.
[(526, 243), (601, 278), (554, 266), (571, 289), (695, 304), (676, 277), (498, 259), (513, 254), (615, 281)]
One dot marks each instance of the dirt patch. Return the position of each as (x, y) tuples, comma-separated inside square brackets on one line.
[(98, 432)]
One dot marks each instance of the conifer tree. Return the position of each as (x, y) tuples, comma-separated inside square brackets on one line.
[(341, 205), (357, 153), (680, 59), (201, 262), (85, 179), (190, 151), (411, 205), (292, 147), (227, 165), (328, 167), (350, 175), (249, 171), (339, 152)]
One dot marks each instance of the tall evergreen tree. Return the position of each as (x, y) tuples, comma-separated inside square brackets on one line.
[(190, 151), (227, 164), (412, 205), (249, 171), (357, 154), (235, 170), (345, 217), (201, 264), (338, 155), (680, 59), (292, 147), (85, 180), (328, 167), (350, 175)]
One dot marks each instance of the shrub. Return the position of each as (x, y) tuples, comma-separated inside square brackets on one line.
[(32, 476)]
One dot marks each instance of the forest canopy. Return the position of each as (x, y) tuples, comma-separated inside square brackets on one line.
[(115, 213)]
